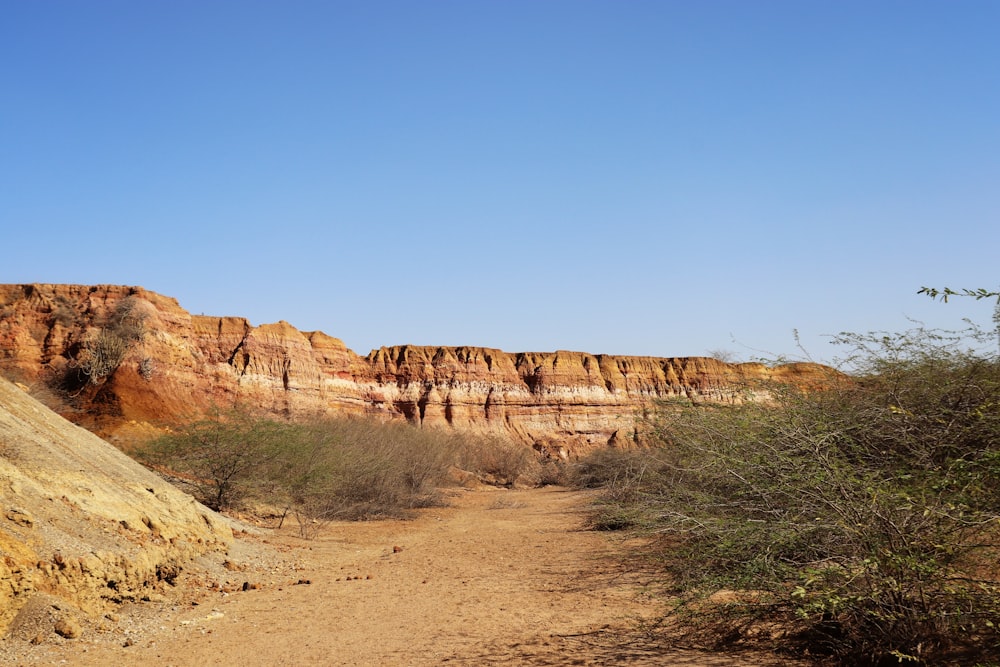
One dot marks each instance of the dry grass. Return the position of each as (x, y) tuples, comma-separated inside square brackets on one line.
[(331, 469)]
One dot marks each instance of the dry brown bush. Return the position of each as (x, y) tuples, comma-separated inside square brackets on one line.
[(495, 459), (104, 352)]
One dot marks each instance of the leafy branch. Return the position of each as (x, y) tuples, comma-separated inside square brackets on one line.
[(944, 293)]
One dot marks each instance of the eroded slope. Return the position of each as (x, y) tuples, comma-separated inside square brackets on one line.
[(83, 523)]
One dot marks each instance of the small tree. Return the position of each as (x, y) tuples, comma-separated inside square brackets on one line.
[(221, 459)]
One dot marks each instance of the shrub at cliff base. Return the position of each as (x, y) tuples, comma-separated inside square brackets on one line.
[(355, 469), (859, 522), (327, 469), (497, 460), (223, 459)]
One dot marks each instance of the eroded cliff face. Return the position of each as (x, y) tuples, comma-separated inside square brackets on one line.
[(561, 402)]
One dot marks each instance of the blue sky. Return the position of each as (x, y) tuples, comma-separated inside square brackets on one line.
[(625, 177)]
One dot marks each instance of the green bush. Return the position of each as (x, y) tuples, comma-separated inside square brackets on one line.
[(862, 517), (223, 459)]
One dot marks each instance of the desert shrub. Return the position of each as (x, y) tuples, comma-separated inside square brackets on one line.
[(622, 474), (862, 517), (63, 312), (220, 460), (610, 468), (495, 459), (327, 469), (352, 469), (104, 352), (550, 473), (535, 470), (320, 470)]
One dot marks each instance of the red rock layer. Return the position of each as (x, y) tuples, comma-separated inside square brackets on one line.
[(187, 364)]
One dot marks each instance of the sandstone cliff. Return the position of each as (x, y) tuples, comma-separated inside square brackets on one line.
[(560, 402)]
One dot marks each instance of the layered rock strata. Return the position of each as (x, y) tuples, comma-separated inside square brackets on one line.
[(560, 402)]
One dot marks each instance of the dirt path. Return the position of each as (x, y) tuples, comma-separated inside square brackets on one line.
[(498, 577)]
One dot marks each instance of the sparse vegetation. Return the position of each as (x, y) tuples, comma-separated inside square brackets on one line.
[(328, 468), (548, 472), (63, 312), (105, 352), (360, 469), (221, 460), (859, 522), (723, 355), (498, 460)]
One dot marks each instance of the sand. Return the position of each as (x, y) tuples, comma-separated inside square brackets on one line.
[(498, 577)]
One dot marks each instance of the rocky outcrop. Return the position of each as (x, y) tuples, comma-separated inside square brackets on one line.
[(82, 523), (561, 402)]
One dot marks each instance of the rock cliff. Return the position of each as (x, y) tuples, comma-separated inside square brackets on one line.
[(163, 363)]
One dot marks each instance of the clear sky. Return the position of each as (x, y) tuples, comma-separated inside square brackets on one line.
[(658, 178)]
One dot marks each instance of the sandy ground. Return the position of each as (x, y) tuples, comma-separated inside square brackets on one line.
[(496, 578)]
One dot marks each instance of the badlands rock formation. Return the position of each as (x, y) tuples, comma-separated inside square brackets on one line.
[(83, 525), (559, 402)]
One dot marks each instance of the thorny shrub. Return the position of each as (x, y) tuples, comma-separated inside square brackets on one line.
[(221, 460), (862, 519)]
